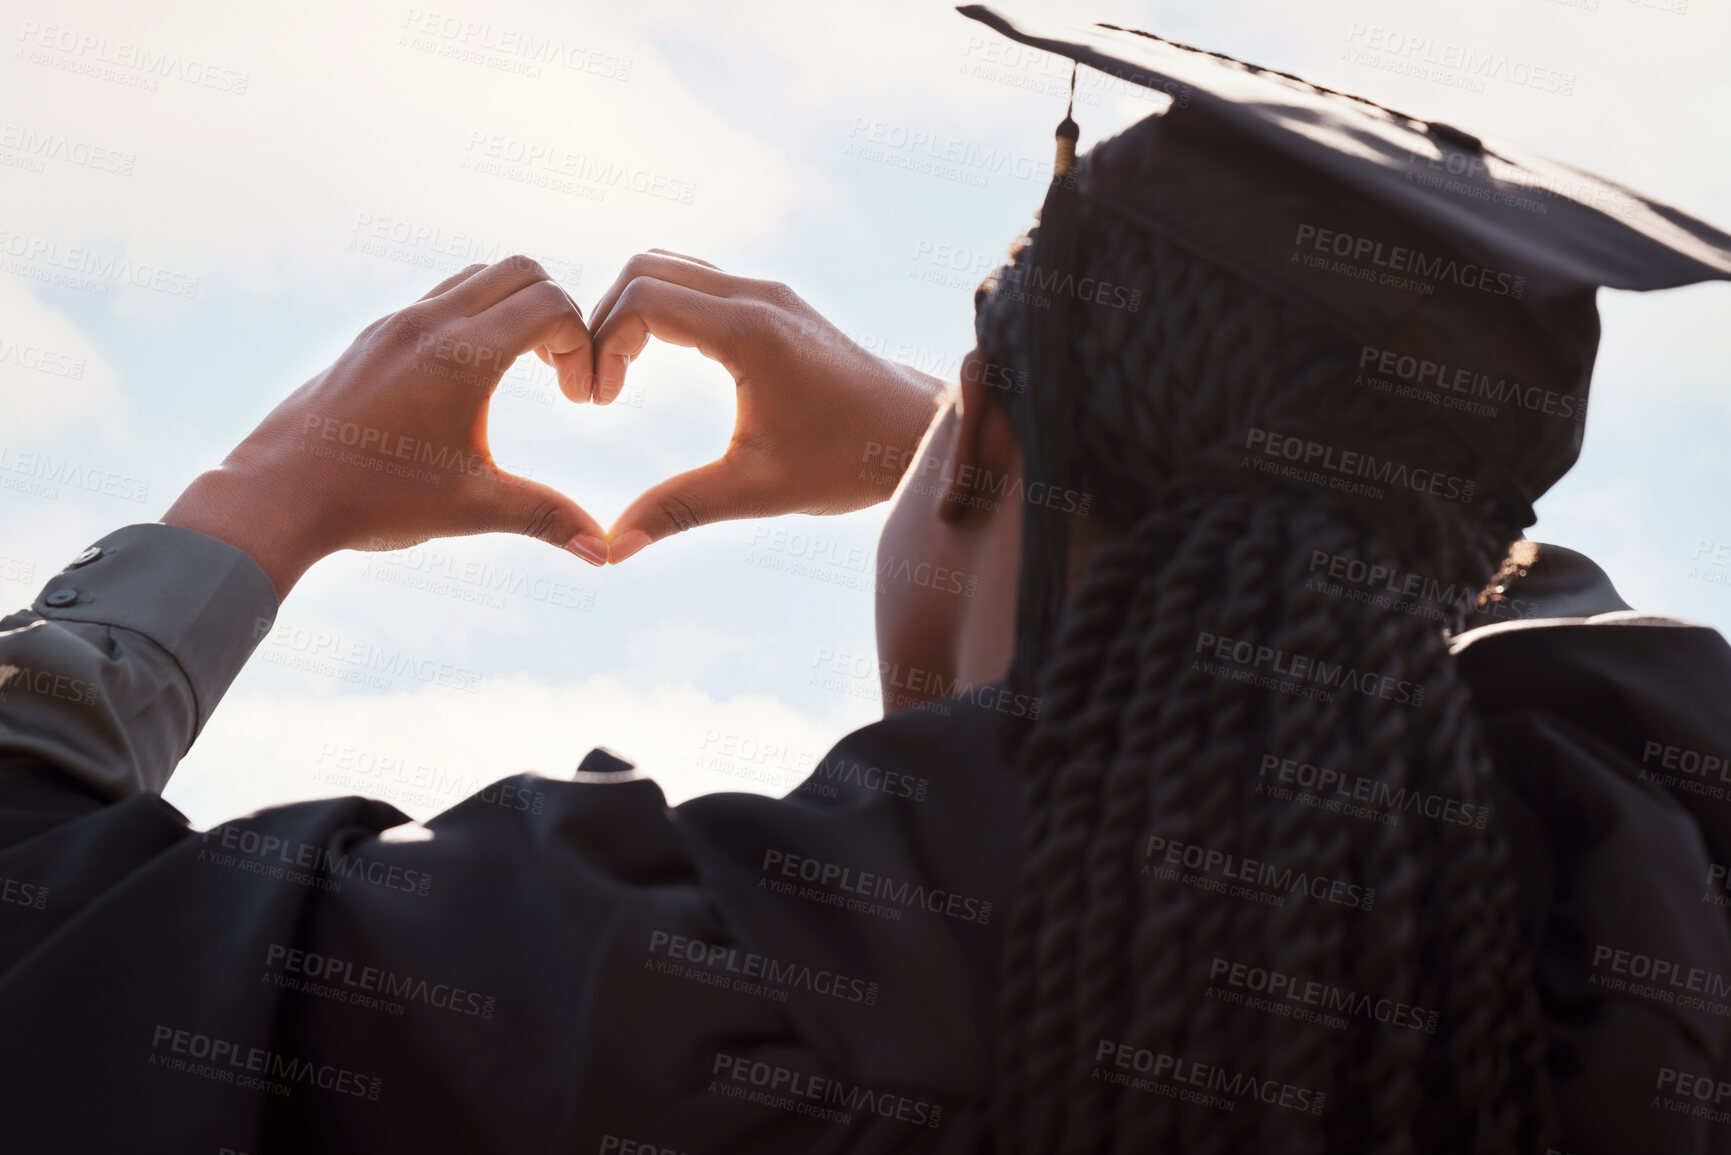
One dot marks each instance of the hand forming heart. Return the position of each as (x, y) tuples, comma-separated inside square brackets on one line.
[(388, 447), (821, 426)]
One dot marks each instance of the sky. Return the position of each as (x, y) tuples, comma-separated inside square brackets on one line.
[(202, 204)]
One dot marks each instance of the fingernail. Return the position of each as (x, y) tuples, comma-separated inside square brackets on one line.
[(615, 380), (627, 544), (588, 547)]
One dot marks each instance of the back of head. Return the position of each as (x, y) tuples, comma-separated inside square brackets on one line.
[(1205, 657)]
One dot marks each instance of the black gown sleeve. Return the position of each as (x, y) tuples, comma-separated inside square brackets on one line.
[(547, 966)]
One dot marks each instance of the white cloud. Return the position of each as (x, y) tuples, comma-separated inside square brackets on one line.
[(344, 120), (426, 750), (53, 378)]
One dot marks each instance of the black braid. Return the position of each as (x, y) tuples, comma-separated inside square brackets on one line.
[(1135, 739)]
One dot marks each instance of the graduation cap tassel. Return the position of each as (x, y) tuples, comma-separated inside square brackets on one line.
[(1064, 164), (1048, 289)]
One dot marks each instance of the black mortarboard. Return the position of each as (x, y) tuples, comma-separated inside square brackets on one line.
[(1460, 263)]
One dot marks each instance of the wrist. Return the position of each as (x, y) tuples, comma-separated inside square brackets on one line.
[(270, 522), (910, 401), (921, 396)]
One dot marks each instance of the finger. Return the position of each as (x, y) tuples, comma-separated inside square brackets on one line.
[(453, 280), (493, 284), (512, 504), (672, 313), (703, 277), (687, 257), (540, 316), (715, 492)]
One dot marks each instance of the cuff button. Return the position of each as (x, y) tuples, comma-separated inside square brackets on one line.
[(88, 555), (61, 598)]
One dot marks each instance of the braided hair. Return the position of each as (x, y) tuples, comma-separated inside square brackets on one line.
[(1149, 1003)]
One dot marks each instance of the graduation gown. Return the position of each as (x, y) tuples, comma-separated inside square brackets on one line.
[(557, 966)]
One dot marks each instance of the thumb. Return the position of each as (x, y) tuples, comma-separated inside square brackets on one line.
[(718, 491), (513, 504)]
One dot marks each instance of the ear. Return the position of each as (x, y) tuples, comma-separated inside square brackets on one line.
[(986, 458)]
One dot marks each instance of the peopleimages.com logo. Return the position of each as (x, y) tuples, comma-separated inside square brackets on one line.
[(753, 973), (816, 1096), (1302, 669), (274, 856), (1400, 259), (1351, 463), (1219, 872), (1205, 1084), (256, 1068), (836, 884)]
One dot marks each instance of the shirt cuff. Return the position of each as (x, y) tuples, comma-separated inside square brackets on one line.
[(204, 601)]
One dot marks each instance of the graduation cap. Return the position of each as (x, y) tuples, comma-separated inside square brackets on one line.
[(1463, 266)]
